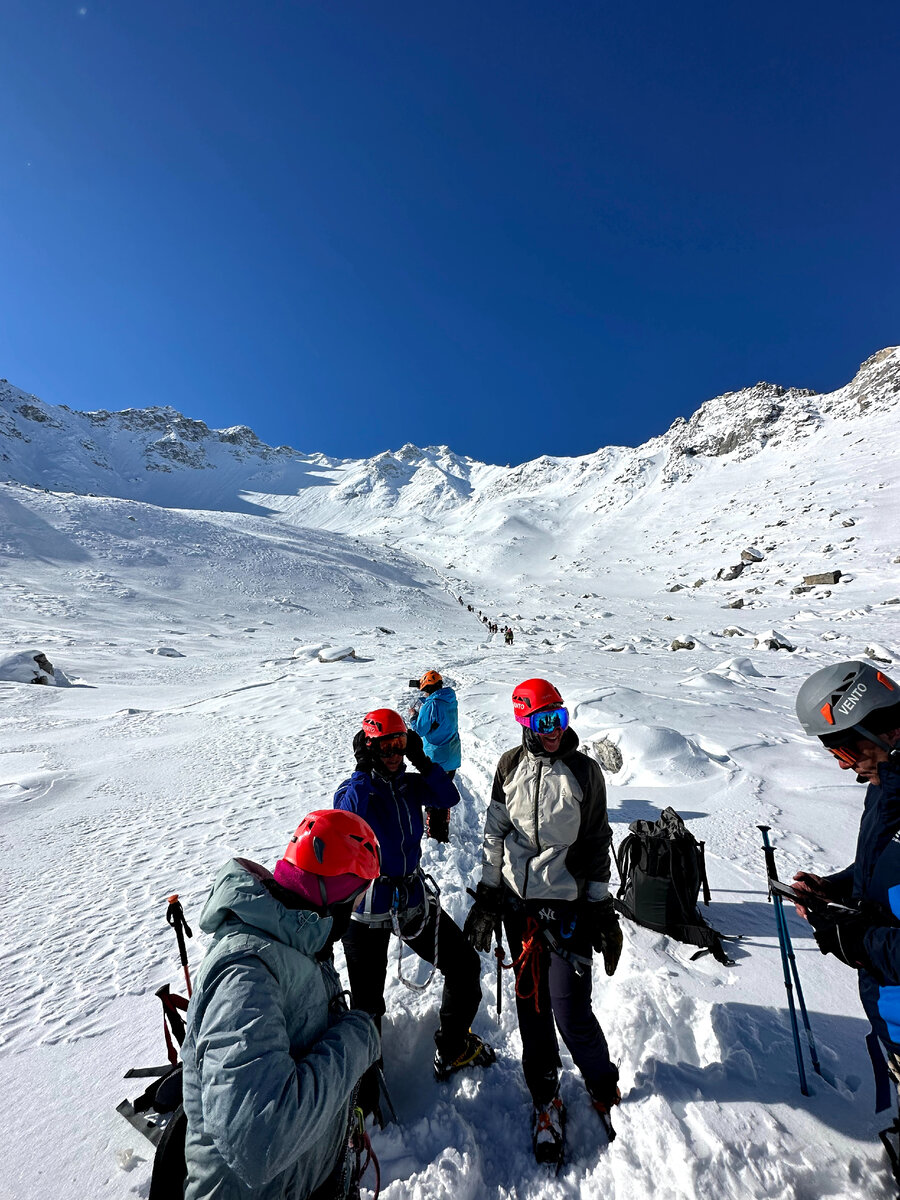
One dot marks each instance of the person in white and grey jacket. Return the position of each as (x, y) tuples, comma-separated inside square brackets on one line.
[(545, 874)]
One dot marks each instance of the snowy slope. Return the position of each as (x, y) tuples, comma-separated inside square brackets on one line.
[(145, 775)]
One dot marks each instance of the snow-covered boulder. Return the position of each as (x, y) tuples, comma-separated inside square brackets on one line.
[(330, 654), (32, 666), (684, 641), (729, 573), (167, 652), (878, 653), (771, 639)]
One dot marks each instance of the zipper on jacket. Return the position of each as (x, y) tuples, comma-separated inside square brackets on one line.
[(537, 836), (399, 809)]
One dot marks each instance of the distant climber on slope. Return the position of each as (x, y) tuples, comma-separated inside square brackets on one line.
[(435, 718)]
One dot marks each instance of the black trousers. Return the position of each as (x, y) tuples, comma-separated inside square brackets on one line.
[(366, 951), (563, 1002)]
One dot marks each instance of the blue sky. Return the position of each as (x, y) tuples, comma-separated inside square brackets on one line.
[(515, 228)]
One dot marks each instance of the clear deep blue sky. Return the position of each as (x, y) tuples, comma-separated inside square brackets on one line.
[(514, 227)]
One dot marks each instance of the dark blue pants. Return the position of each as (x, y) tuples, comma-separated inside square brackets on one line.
[(564, 1003)]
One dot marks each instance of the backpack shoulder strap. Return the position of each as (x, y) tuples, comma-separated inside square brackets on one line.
[(701, 857)]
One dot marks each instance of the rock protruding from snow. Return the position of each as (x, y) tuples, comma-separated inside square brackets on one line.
[(729, 573), (878, 653), (31, 666), (751, 555), (608, 755), (822, 577), (685, 641), (771, 639)]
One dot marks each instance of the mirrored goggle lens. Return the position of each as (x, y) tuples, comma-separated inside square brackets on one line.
[(385, 747), (549, 721), (844, 754)]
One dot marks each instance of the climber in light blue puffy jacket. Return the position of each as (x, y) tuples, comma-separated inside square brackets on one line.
[(272, 1053), (434, 717)]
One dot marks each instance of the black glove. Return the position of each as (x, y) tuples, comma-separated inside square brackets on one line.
[(364, 758), (605, 932), (844, 939), (415, 752), (483, 916)]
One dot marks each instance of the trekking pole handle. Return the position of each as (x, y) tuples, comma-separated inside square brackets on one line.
[(769, 852)]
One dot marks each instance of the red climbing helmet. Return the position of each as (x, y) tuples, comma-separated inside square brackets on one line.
[(334, 842), (382, 722), (531, 696)]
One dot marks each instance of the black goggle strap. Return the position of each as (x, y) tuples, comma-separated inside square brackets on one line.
[(873, 737)]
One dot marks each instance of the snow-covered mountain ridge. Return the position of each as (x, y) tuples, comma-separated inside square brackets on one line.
[(119, 453), (764, 452)]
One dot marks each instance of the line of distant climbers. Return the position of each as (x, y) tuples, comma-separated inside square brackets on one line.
[(492, 626)]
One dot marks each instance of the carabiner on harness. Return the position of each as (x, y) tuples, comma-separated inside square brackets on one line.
[(430, 895)]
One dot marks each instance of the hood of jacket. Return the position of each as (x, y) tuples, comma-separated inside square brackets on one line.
[(240, 897)]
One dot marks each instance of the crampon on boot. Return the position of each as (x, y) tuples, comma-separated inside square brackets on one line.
[(548, 1123), (603, 1109), (475, 1053)]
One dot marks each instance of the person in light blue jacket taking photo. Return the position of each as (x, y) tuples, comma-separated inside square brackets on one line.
[(435, 718)]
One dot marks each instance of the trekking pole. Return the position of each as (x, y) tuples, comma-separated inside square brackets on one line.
[(175, 917), (779, 915), (789, 966), (499, 954)]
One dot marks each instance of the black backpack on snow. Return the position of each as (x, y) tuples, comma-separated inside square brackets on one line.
[(662, 869)]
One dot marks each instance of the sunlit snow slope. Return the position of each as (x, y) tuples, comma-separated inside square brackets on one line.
[(123, 535)]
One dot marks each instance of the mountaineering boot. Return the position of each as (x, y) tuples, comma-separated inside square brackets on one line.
[(475, 1053), (548, 1123)]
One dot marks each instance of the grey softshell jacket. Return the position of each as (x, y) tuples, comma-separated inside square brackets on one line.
[(268, 1066), (546, 834)]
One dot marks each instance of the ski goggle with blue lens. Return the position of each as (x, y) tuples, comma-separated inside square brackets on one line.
[(548, 720)]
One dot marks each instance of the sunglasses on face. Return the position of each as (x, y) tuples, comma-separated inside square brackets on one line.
[(387, 747), (844, 755), (547, 721)]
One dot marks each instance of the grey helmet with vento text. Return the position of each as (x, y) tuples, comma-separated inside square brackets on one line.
[(849, 698)]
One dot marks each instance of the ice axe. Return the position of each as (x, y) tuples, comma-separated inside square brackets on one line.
[(175, 917)]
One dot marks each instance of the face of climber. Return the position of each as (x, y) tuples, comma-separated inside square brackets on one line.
[(864, 757), (551, 741)]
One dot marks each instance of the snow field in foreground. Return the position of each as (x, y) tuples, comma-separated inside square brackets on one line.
[(143, 777)]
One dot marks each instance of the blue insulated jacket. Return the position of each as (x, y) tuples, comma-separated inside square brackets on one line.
[(437, 724), (268, 1066), (392, 805), (875, 879)]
